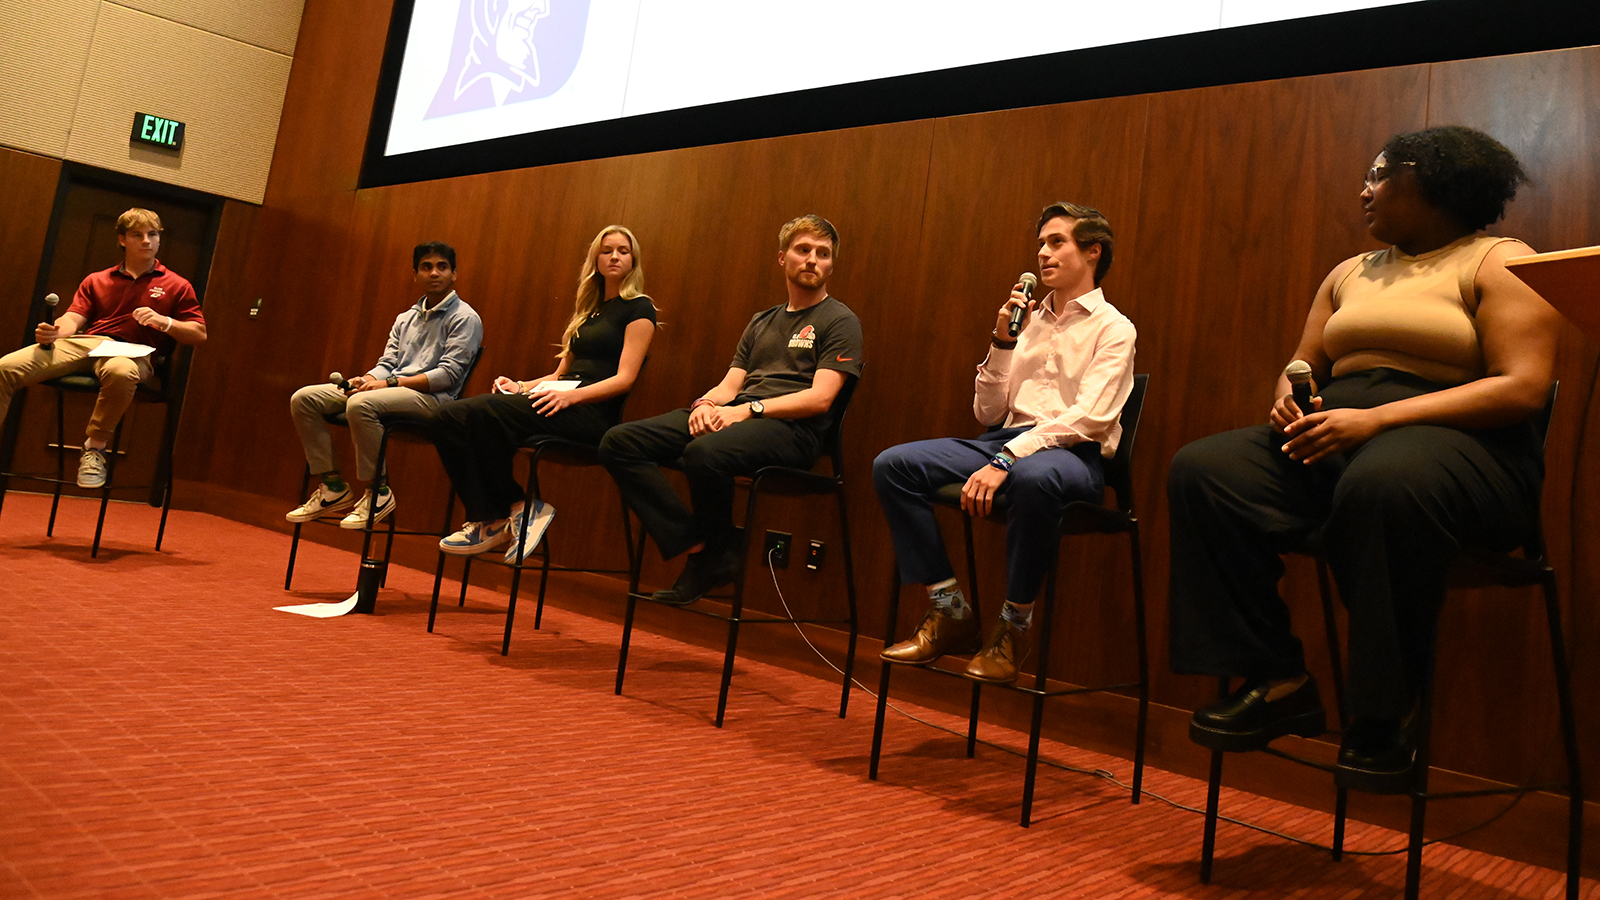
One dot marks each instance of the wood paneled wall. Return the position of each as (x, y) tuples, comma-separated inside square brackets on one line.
[(1229, 203)]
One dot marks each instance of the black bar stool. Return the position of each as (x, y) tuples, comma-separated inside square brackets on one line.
[(1472, 569), (1078, 518), (784, 481)]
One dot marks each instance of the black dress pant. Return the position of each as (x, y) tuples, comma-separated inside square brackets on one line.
[(633, 452), (1392, 516), (478, 438)]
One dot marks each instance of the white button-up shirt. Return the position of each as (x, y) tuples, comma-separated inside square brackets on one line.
[(1066, 379)]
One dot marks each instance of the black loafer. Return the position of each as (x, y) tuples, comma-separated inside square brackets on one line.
[(1378, 756), (1246, 720), (704, 572)]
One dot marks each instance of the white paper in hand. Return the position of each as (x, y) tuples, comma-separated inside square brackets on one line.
[(121, 348), (556, 385)]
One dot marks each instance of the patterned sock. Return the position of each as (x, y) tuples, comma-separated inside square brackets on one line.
[(1018, 614), (947, 597), (334, 482)]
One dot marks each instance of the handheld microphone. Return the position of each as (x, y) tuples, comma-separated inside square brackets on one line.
[(1299, 374), (337, 380), (50, 300), (1029, 282)]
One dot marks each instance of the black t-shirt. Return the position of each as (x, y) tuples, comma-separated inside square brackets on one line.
[(781, 351), (597, 345)]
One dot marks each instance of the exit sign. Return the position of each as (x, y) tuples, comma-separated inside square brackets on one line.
[(157, 132)]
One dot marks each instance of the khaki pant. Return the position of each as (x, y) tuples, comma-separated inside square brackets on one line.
[(311, 403), (119, 377)]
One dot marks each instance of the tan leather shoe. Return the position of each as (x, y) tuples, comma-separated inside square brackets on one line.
[(1002, 655), (937, 635)]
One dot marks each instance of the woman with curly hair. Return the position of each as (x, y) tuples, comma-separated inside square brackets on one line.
[(602, 349), (1431, 359)]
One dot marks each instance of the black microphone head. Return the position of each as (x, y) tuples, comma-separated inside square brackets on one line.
[(1298, 372), (1029, 282), (51, 299)]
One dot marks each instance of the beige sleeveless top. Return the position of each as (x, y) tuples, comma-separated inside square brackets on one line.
[(1417, 314)]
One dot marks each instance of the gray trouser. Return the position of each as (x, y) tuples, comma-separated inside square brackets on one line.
[(311, 403)]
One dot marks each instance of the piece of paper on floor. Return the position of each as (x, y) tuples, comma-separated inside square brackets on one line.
[(121, 348), (321, 610)]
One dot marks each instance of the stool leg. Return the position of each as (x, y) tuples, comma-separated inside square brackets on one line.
[(1419, 790), (1569, 733), (166, 507), (61, 461), (438, 582), (1208, 843), (1141, 729), (850, 594), (466, 573), (105, 491), (635, 566), (883, 676), (294, 542), (733, 619), (972, 719), (1041, 682), (511, 608), (544, 581), (1341, 806), (627, 634)]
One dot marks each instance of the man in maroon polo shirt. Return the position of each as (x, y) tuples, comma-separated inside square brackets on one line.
[(138, 302)]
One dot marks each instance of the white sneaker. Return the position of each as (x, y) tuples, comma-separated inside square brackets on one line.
[(476, 537), (322, 502), (92, 468), (538, 521), (357, 519)]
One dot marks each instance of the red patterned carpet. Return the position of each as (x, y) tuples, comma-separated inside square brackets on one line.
[(165, 733)]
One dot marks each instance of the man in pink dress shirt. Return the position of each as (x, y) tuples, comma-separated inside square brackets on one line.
[(1056, 391)]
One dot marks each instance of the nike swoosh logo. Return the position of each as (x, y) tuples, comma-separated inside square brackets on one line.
[(844, 359)]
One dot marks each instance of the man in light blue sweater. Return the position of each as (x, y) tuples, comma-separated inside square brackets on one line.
[(426, 362)]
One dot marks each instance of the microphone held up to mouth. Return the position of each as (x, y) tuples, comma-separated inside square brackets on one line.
[(1029, 282)]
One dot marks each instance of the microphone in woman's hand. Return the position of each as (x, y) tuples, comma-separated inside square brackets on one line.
[(1299, 374)]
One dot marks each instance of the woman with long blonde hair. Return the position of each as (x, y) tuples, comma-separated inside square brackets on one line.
[(602, 350)]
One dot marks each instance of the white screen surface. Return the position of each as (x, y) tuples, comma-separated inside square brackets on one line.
[(480, 69)]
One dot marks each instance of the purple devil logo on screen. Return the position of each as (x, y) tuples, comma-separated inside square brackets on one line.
[(508, 51)]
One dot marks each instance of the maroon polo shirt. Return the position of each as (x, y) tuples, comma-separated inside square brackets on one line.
[(107, 300)]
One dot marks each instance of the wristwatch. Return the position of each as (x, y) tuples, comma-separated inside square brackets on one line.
[(757, 409), (392, 381)]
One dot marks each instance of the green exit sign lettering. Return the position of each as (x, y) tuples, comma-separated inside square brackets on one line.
[(157, 132)]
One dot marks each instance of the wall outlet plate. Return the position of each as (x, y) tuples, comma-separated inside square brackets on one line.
[(814, 556), (776, 548)]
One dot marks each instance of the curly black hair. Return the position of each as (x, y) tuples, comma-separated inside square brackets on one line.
[(1461, 171)]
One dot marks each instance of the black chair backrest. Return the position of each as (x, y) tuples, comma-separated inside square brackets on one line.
[(471, 367), (1119, 468), (833, 436), (1541, 420)]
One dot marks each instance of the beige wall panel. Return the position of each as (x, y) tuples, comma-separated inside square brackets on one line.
[(269, 24), (43, 50), (228, 93)]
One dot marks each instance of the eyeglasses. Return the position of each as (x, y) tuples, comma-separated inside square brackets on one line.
[(1377, 174)]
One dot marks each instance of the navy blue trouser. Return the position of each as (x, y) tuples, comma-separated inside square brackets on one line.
[(1039, 486)]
